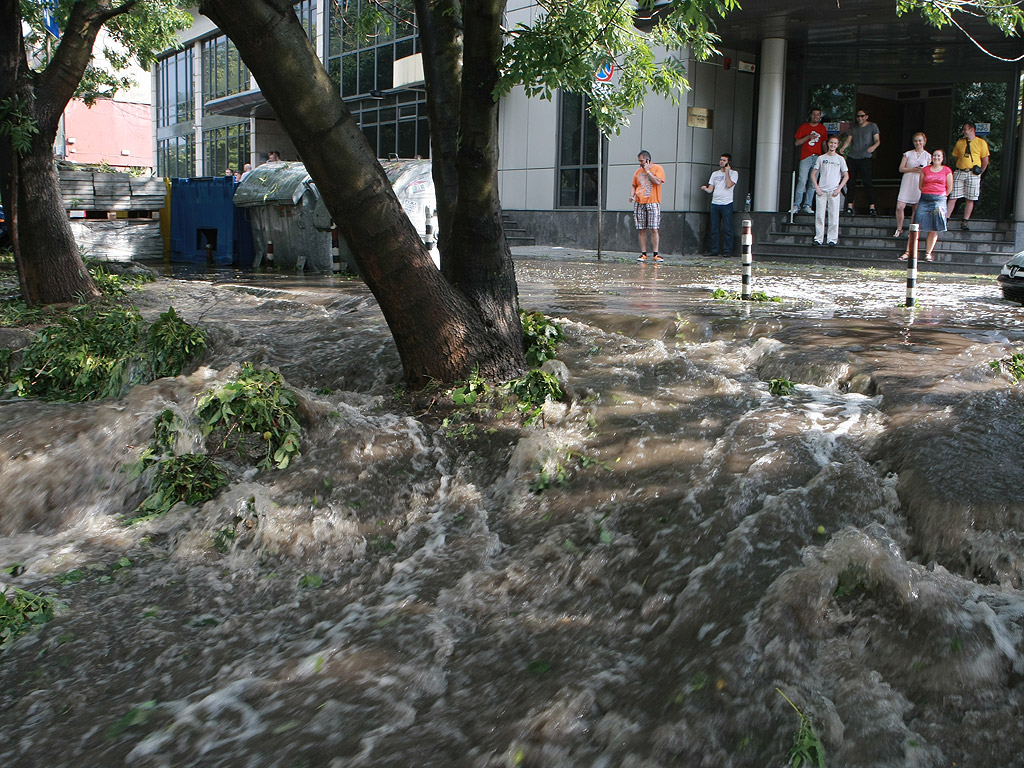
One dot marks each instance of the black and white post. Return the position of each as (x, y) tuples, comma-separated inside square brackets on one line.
[(747, 242), (915, 235)]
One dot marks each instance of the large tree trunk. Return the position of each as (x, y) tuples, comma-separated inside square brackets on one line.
[(49, 264), (443, 331)]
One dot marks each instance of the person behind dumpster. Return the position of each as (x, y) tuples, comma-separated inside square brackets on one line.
[(246, 170), (811, 138), (859, 148), (273, 156), (721, 187), (970, 155), (910, 186), (646, 199), (936, 182), (829, 176)]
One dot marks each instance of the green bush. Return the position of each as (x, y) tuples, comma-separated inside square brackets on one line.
[(254, 415)]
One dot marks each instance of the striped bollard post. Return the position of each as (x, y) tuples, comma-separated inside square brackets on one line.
[(747, 242), (915, 234)]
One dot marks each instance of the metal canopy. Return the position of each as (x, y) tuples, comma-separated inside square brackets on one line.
[(865, 41)]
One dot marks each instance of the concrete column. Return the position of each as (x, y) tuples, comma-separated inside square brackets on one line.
[(1018, 205), (772, 83)]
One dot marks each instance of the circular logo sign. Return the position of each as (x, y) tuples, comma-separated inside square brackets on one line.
[(605, 71)]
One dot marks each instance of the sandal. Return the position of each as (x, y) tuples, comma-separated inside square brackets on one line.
[(904, 256), (897, 233), (928, 256)]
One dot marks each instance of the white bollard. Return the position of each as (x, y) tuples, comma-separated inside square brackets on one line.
[(747, 243)]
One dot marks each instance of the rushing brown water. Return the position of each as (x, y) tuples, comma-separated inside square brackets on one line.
[(856, 544)]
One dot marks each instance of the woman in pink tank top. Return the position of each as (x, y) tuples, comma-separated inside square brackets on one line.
[(936, 184)]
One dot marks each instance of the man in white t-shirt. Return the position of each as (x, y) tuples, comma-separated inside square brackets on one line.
[(721, 186), (829, 176)]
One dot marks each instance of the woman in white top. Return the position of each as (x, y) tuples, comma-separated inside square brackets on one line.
[(910, 189)]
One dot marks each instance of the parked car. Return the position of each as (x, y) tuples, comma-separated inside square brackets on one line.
[(1011, 278)]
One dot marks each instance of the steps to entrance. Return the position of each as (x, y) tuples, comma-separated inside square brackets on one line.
[(867, 240), (514, 234)]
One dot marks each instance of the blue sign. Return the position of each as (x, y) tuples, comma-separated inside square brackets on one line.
[(50, 17), (605, 71)]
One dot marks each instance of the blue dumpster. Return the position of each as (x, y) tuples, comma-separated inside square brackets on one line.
[(202, 214)]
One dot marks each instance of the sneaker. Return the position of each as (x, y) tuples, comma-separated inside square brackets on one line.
[(848, 212), (872, 212), (807, 209), (642, 258), (795, 209), (818, 243), (832, 245), (964, 227), (657, 259)]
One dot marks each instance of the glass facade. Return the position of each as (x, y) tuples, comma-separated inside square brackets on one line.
[(393, 121), (175, 89), (577, 154), (226, 147), (176, 157), (224, 73)]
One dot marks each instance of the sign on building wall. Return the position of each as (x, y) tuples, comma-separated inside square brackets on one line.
[(699, 117)]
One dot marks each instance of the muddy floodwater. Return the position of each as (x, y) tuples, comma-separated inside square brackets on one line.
[(631, 581)]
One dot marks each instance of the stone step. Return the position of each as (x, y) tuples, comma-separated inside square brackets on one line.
[(844, 253), (947, 242)]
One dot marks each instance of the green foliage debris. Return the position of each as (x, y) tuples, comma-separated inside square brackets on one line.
[(95, 351), (21, 610), (541, 338), (1012, 366), (255, 416), (781, 387), (807, 748), (191, 478)]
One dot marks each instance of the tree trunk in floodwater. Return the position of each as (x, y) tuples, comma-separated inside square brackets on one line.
[(446, 324)]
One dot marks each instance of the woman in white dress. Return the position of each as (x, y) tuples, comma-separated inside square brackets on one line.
[(910, 188)]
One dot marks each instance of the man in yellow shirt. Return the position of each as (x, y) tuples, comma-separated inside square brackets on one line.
[(970, 156), (646, 199)]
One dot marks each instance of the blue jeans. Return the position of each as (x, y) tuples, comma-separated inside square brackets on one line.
[(804, 196), (721, 224)]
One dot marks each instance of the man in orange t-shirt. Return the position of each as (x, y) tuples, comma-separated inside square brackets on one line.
[(646, 199)]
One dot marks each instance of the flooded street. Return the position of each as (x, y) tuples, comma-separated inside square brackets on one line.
[(629, 582)]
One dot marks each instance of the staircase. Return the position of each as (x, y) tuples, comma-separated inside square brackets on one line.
[(514, 234), (868, 241)]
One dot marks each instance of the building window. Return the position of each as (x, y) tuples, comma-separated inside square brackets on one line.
[(224, 73), (306, 11), (577, 154), (226, 147), (393, 121), (176, 157), (175, 102)]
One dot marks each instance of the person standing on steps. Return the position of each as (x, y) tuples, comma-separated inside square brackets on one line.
[(859, 148), (646, 199), (829, 176), (811, 138), (721, 187), (970, 155), (910, 186), (936, 182)]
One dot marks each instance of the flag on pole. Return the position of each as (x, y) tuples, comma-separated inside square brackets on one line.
[(50, 17)]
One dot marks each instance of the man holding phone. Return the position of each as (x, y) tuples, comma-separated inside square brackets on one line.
[(646, 199), (721, 187)]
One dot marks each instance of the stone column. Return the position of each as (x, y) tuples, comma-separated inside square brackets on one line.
[(772, 83)]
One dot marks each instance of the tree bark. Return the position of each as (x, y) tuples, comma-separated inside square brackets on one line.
[(443, 332)]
